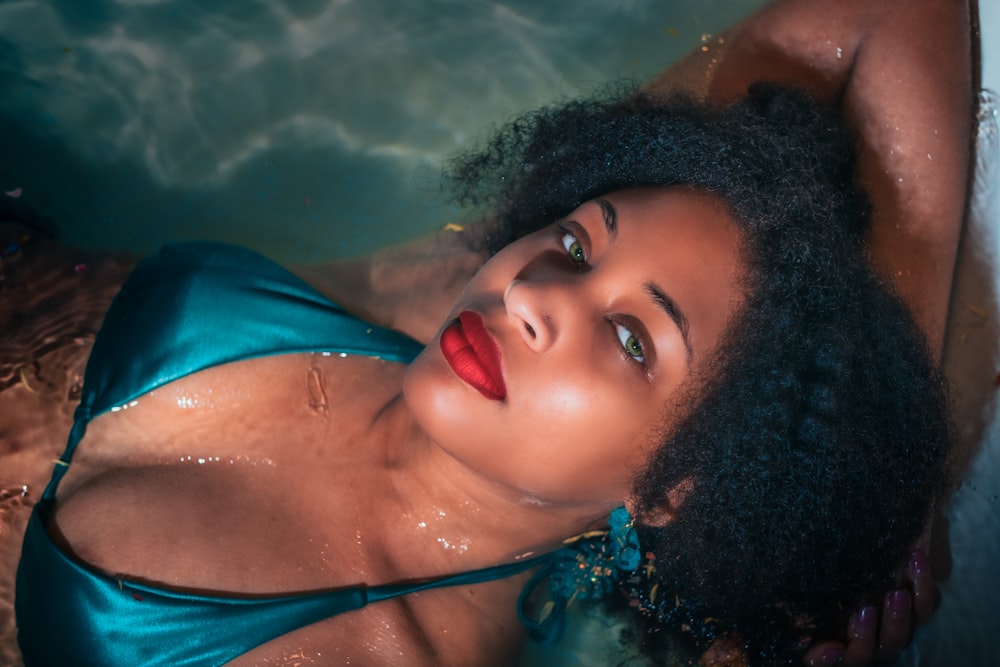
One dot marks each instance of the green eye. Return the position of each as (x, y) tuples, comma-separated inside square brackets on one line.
[(630, 343), (574, 249)]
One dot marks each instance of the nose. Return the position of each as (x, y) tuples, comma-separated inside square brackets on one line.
[(532, 306)]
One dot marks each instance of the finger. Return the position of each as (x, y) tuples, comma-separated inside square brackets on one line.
[(826, 654), (923, 587), (896, 624), (861, 634)]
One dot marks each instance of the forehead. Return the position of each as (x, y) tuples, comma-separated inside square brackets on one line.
[(674, 209), (688, 244)]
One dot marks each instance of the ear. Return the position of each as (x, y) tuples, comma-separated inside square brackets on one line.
[(660, 516)]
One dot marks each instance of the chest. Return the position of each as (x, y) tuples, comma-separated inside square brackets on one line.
[(267, 410), (256, 468), (250, 532), (255, 478), (264, 530)]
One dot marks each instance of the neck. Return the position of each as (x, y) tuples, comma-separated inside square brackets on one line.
[(443, 512)]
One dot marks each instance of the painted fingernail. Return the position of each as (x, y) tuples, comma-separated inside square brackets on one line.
[(918, 563), (862, 623), (899, 603)]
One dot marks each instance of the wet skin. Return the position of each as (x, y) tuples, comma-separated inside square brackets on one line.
[(378, 489), (599, 318)]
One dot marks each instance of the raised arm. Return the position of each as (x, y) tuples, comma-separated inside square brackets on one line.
[(900, 74)]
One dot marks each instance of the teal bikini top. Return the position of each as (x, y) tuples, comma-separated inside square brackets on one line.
[(187, 308)]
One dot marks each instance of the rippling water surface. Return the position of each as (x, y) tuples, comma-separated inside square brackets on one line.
[(310, 128), (314, 129)]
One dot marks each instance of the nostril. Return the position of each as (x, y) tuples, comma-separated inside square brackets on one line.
[(531, 330)]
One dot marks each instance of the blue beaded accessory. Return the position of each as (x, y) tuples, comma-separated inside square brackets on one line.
[(625, 540), (588, 567)]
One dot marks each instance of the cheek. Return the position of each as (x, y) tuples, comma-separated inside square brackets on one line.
[(573, 439), (561, 400), (455, 416), (585, 433), (426, 391)]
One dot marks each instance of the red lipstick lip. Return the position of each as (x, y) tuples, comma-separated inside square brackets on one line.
[(474, 355)]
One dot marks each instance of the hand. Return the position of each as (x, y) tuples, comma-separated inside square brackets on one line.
[(902, 609)]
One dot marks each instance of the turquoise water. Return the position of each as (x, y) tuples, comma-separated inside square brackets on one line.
[(314, 129), (306, 128)]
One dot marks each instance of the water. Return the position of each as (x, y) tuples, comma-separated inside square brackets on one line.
[(308, 128), (314, 129)]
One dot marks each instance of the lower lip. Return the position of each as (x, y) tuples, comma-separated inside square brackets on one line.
[(473, 355)]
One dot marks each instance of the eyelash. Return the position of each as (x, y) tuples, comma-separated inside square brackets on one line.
[(567, 239)]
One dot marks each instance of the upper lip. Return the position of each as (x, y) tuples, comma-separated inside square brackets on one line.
[(481, 356)]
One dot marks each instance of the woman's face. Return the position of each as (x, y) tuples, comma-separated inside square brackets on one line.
[(560, 362)]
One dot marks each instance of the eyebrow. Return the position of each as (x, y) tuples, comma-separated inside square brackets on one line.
[(610, 216), (673, 311)]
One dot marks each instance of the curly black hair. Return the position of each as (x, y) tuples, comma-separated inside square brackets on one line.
[(814, 443)]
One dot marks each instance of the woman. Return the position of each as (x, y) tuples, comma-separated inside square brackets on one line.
[(496, 442)]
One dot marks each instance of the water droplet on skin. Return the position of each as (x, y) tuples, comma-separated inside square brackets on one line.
[(840, 53), (462, 545)]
